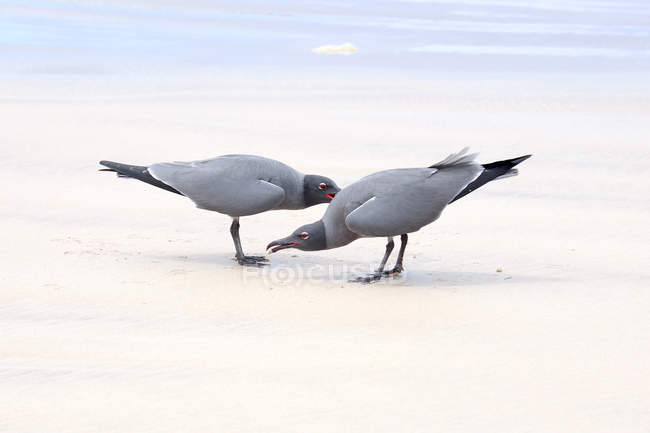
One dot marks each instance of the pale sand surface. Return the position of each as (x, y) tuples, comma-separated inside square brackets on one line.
[(121, 309)]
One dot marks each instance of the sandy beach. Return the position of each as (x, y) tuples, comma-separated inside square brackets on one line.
[(524, 308)]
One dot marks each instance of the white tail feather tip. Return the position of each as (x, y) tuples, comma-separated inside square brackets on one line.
[(459, 158), (510, 173)]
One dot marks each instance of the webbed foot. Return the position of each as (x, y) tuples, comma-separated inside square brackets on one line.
[(395, 271), (370, 278), (257, 261)]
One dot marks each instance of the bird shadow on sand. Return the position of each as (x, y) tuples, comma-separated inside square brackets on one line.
[(216, 260), (442, 278), (323, 271)]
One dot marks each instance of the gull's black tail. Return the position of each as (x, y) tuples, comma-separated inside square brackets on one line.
[(136, 172), (492, 171)]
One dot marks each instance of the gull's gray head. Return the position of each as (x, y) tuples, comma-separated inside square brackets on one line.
[(310, 237), (318, 189)]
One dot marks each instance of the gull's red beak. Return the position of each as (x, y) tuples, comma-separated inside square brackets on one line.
[(330, 195), (276, 246)]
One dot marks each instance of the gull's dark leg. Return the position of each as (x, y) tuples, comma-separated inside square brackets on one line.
[(379, 272), (239, 255), (400, 257), (389, 249)]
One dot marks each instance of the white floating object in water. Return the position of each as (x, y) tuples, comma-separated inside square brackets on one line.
[(346, 49)]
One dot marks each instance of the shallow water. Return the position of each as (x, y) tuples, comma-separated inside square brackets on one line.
[(468, 37)]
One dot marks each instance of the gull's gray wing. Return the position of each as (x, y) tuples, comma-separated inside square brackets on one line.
[(395, 209), (403, 201), (214, 190)]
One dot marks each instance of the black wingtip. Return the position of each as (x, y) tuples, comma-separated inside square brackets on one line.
[(516, 161), (110, 164), (491, 171), (507, 163), (136, 172)]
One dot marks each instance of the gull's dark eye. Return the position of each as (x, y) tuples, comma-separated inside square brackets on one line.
[(304, 235), (322, 187)]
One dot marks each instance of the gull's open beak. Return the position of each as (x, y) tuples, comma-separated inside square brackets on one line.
[(332, 193), (276, 246)]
